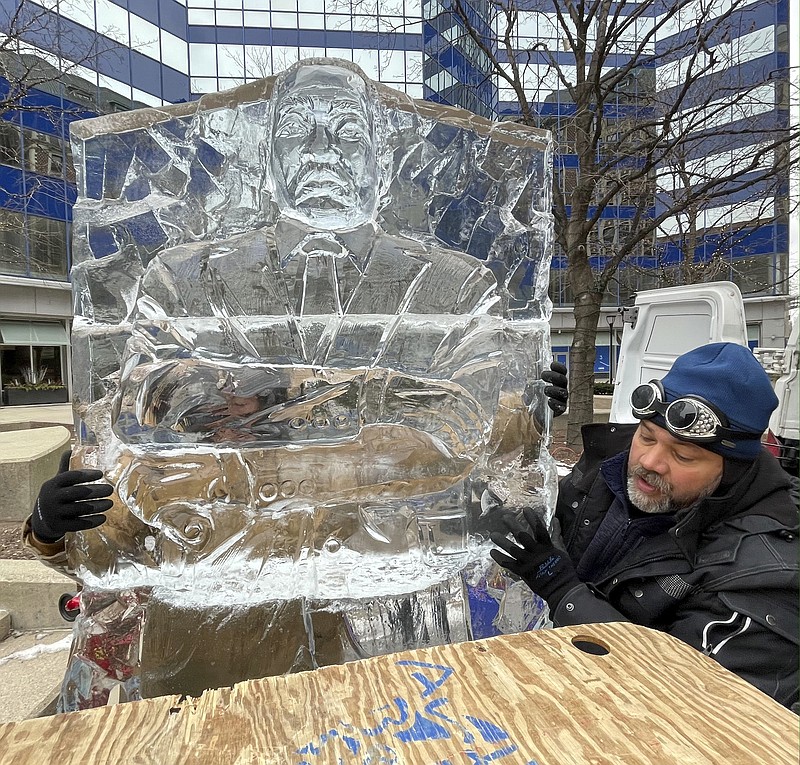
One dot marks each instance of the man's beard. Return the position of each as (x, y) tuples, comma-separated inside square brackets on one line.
[(665, 501)]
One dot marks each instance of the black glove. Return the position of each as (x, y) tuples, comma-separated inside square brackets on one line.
[(547, 570), (556, 392), (66, 504)]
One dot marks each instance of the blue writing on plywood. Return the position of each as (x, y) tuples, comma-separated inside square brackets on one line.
[(403, 722)]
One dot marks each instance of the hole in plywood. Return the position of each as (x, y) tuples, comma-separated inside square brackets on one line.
[(591, 645)]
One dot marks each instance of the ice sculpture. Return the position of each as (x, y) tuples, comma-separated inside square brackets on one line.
[(311, 315)]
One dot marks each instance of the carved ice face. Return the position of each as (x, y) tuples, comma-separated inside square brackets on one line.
[(323, 150)]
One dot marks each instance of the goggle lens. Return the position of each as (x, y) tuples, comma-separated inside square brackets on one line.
[(643, 397), (683, 413)]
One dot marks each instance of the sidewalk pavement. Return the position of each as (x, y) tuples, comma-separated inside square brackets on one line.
[(32, 665), (33, 657)]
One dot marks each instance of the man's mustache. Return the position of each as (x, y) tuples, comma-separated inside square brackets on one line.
[(654, 479)]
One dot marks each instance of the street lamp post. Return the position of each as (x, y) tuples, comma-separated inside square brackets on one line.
[(610, 319)]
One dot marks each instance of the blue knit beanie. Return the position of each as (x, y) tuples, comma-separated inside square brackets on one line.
[(730, 377)]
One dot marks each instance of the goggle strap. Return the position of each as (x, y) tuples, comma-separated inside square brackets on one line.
[(720, 434)]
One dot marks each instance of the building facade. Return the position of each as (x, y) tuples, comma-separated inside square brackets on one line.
[(153, 52)]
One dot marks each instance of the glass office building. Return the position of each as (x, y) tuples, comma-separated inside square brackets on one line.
[(153, 52)]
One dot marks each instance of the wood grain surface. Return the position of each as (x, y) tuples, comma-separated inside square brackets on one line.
[(526, 699)]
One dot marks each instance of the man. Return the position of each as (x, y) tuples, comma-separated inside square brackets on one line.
[(682, 523)]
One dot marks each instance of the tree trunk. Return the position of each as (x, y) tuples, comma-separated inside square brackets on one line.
[(582, 353), (581, 359), (689, 245)]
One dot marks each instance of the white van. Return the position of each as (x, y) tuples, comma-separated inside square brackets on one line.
[(665, 323)]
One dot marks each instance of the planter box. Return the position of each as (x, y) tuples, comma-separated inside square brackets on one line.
[(17, 397)]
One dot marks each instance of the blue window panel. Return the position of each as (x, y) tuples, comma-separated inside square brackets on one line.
[(228, 35), (115, 61), (39, 121), (173, 18), (751, 72), (431, 95), (562, 58), (764, 240), (147, 9), (313, 38), (48, 197), (176, 86), (12, 196), (781, 237), (252, 36), (145, 74), (671, 254), (288, 37), (200, 34)]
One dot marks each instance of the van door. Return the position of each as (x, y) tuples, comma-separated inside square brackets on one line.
[(785, 420), (665, 323)]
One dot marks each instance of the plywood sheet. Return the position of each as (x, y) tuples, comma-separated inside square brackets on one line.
[(525, 699)]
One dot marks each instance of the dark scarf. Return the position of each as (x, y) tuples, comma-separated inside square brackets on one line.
[(623, 527)]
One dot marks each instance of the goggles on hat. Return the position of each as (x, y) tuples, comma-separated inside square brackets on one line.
[(689, 417)]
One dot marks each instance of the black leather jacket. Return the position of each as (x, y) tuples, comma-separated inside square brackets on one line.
[(723, 579)]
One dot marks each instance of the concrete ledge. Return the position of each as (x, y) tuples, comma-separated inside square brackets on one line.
[(27, 459), (41, 416), (7, 427), (5, 623), (29, 591)]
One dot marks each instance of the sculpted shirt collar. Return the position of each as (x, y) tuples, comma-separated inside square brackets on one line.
[(295, 240)]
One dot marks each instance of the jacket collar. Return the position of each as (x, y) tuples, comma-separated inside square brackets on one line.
[(764, 484)]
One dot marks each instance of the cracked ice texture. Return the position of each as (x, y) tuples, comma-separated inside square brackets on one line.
[(310, 321)]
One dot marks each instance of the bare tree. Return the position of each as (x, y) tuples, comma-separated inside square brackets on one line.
[(43, 84), (66, 55), (669, 106)]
